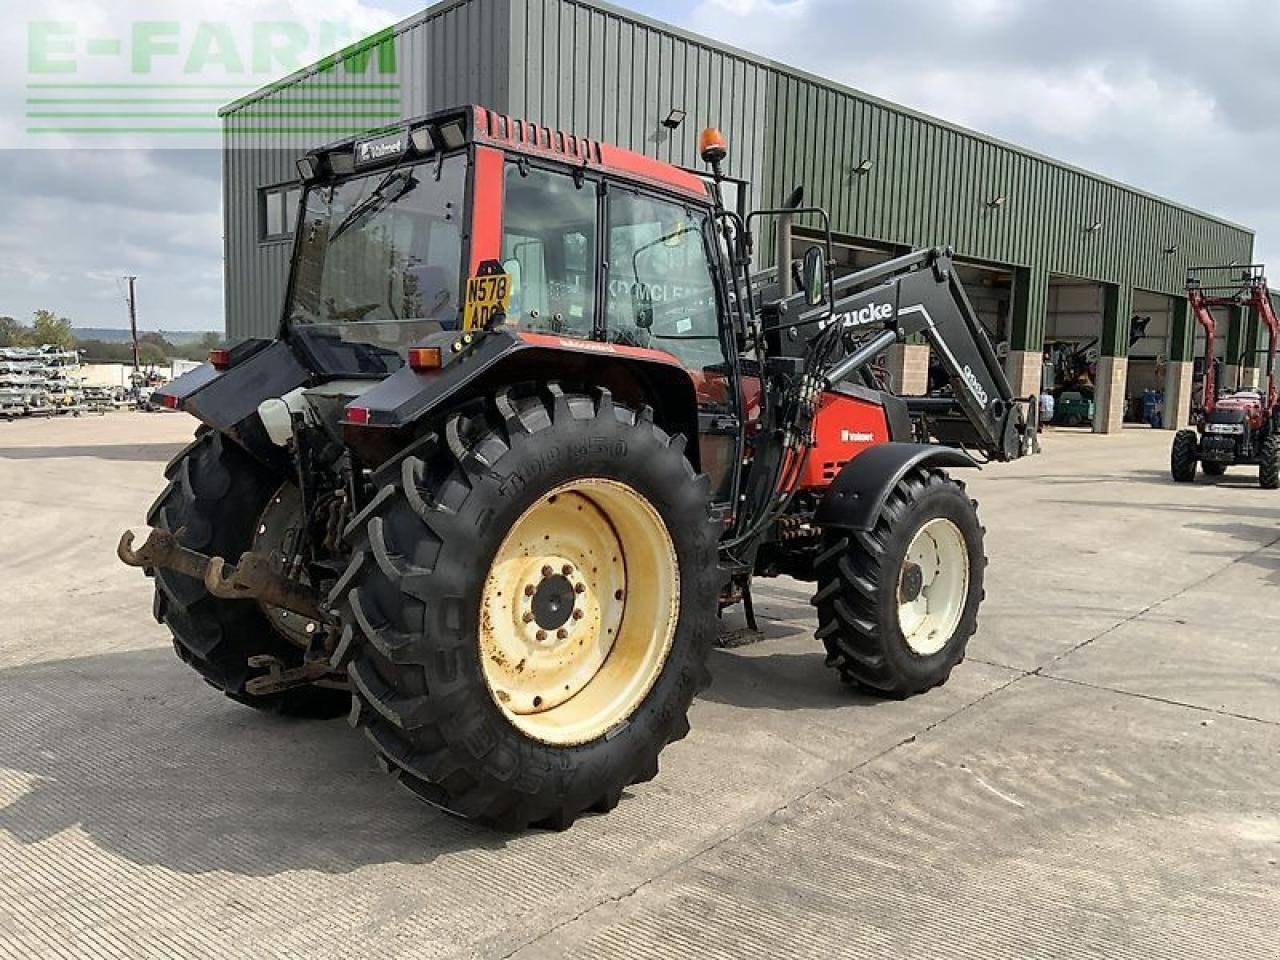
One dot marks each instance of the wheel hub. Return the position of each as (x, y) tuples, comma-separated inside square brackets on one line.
[(552, 603), (911, 584)]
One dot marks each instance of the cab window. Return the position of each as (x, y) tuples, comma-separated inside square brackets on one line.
[(549, 251), (661, 293)]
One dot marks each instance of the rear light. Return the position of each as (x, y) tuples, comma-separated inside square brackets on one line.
[(169, 400), (424, 358), (220, 358), (358, 415)]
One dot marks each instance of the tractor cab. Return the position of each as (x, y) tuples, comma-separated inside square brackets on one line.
[(469, 221), (465, 218)]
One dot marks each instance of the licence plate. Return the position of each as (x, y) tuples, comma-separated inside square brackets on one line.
[(486, 295)]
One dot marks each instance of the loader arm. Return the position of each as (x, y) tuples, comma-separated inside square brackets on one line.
[(1232, 286), (920, 294)]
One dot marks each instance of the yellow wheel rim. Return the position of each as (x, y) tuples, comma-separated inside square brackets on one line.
[(579, 611)]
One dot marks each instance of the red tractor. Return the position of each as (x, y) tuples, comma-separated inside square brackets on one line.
[(1242, 426), (529, 425)]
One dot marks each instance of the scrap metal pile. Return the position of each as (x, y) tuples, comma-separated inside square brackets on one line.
[(40, 380)]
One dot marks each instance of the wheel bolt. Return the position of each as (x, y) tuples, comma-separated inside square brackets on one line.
[(577, 614), (547, 571), (528, 590), (580, 588), (567, 569), (562, 633), (542, 636), (528, 618)]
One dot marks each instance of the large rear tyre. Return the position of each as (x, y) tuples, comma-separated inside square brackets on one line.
[(216, 495), (1184, 456), (1269, 463), (897, 606), (530, 605)]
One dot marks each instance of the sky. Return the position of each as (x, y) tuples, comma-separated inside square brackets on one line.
[(1177, 97)]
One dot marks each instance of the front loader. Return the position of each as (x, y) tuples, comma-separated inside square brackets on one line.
[(529, 425), (1232, 427)]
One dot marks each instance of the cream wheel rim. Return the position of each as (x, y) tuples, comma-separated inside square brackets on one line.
[(579, 611), (933, 585)]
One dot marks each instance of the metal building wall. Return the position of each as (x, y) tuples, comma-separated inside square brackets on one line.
[(452, 53), (932, 184), (594, 69)]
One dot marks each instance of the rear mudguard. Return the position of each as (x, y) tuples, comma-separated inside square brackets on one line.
[(478, 363), (854, 500), (227, 400)]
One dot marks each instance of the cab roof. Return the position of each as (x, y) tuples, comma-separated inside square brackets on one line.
[(489, 128)]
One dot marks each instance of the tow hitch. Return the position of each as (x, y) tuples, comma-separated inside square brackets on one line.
[(251, 579)]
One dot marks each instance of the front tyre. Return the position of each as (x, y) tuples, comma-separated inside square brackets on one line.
[(1269, 463), (897, 605), (530, 606), (1184, 456)]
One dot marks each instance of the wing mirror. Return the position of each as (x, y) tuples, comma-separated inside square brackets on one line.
[(813, 276)]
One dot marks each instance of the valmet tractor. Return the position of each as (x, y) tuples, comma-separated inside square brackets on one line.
[(1242, 426), (529, 425)]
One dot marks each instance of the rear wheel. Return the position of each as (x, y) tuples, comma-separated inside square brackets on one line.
[(1184, 456), (897, 605), (529, 607), (1269, 463), (217, 501)]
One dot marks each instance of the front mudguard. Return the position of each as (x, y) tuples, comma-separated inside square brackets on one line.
[(854, 500)]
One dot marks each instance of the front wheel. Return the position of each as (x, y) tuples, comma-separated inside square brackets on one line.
[(530, 606), (1184, 456), (1269, 463), (897, 605)]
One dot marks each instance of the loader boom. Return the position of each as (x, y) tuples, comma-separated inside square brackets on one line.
[(920, 294), (1248, 290)]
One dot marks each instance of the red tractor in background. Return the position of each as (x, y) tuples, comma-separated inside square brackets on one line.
[(1241, 426), (530, 423)]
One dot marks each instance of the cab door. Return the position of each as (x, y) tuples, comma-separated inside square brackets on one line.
[(662, 292)]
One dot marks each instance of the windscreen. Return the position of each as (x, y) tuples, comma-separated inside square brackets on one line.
[(378, 265)]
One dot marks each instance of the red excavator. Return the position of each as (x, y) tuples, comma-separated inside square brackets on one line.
[(1239, 427)]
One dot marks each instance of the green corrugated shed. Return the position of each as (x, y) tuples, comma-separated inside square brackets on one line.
[(598, 70)]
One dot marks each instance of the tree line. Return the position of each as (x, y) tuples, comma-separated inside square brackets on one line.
[(47, 327)]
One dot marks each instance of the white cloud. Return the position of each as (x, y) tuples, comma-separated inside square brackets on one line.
[(1173, 96)]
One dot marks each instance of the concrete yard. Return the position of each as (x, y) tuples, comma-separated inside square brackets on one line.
[(1100, 778)]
